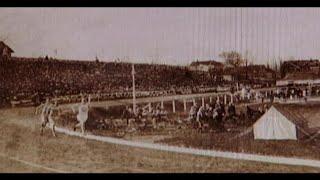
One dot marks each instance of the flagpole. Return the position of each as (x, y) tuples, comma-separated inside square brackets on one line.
[(133, 90)]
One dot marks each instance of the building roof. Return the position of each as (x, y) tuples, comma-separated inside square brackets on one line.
[(302, 63), (207, 62), (301, 76), (258, 70), (299, 65), (3, 45)]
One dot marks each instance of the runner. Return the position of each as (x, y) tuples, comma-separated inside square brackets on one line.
[(51, 122), (82, 116), (46, 116)]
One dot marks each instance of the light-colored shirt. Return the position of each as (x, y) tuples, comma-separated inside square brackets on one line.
[(83, 110)]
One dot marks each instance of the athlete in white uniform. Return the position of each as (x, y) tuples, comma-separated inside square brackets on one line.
[(82, 116), (44, 114), (52, 124), (46, 117)]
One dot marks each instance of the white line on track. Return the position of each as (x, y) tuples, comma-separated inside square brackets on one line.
[(210, 153), (32, 164)]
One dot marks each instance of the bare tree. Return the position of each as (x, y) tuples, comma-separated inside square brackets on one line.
[(232, 58)]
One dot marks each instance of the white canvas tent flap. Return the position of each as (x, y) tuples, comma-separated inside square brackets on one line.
[(274, 125)]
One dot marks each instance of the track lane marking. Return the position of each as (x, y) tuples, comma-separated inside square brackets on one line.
[(193, 151), (32, 164)]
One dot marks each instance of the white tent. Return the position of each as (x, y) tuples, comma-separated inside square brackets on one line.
[(273, 125)]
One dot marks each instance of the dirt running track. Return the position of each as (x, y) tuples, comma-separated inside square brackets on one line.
[(24, 150)]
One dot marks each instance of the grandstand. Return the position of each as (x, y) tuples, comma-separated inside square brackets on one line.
[(26, 78)]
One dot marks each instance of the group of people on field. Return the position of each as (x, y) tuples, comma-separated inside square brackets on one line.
[(48, 108), (145, 115), (212, 115)]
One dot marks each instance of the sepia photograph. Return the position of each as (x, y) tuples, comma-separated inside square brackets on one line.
[(159, 90)]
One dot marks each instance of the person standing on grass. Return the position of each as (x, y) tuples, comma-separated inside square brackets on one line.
[(47, 116), (200, 116), (304, 94), (126, 115), (52, 124), (82, 117), (44, 114), (192, 113)]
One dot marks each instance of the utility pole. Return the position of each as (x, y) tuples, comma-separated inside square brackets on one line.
[(133, 90), (246, 60)]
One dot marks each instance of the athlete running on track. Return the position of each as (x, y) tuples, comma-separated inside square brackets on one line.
[(46, 116), (82, 116)]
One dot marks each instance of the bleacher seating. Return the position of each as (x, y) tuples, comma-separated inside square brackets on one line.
[(28, 78)]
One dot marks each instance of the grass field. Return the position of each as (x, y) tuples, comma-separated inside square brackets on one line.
[(189, 137), (11, 166), (20, 139)]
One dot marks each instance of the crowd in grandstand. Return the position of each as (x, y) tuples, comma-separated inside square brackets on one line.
[(25, 78)]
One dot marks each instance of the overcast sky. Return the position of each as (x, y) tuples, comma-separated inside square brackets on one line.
[(162, 35)]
